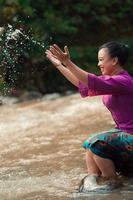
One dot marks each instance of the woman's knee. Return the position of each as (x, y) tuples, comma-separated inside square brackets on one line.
[(90, 153)]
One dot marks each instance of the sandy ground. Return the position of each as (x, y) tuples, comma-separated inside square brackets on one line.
[(41, 147)]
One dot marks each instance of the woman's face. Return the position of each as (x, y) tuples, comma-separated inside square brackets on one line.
[(105, 62)]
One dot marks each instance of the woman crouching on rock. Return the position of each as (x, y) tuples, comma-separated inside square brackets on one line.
[(110, 152)]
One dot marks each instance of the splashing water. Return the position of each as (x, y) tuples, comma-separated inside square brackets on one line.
[(12, 35), (11, 50), (14, 43), (17, 34)]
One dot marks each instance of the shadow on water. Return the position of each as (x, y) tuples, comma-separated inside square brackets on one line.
[(41, 148)]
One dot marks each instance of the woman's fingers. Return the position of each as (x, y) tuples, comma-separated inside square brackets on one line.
[(58, 48), (54, 51), (49, 54), (58, 53), (66, 50), (47, 51)]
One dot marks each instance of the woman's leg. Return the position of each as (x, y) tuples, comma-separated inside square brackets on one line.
[(100, 166), (92, 167), (104, 144), (106, 166)]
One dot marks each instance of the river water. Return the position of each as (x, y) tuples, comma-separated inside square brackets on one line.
[(41, 154)]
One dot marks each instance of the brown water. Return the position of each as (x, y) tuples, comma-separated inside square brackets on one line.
[(41, 148)]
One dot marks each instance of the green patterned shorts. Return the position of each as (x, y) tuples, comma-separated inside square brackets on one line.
[(115, 145)]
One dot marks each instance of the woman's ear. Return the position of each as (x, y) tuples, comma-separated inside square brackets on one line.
[(114, 61)]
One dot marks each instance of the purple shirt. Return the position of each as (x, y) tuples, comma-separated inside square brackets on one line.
[(117, 91)]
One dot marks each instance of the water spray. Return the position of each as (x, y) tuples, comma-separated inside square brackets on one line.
[(13, 43)]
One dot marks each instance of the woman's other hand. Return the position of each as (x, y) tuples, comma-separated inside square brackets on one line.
[(52, 58), (63, 57)]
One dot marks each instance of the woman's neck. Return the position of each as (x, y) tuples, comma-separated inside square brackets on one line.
[(117, 71)]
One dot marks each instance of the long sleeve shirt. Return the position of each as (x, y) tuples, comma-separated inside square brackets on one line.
[(117, 96)]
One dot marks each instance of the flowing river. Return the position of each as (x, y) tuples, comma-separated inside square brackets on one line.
[(41, 154)]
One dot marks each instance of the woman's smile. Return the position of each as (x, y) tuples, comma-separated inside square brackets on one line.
[(102, 69)]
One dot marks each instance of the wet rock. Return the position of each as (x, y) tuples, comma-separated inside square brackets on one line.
[(52, 96), (68, 92), (4, 100), (28, 96)]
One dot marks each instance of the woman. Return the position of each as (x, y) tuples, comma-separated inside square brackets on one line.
[(108, 152)]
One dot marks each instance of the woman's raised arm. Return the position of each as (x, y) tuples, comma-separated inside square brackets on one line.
[(66, 72), (64, 57)]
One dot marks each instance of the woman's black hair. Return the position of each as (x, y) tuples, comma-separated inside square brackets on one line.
[(119, 50)]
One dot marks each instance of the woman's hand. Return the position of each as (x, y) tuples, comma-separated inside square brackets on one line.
[(63, 57), (52, 58)]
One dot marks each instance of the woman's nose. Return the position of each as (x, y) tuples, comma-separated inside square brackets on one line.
[(98, 64)]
